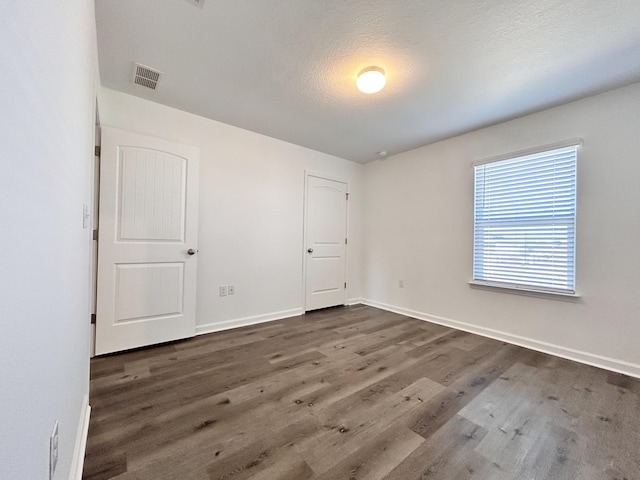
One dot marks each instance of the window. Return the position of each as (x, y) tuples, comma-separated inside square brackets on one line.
[(524, 222)]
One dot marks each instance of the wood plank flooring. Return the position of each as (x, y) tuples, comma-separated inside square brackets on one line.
[(357, 393)]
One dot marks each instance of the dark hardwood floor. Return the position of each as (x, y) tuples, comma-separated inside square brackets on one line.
[(357, 393)]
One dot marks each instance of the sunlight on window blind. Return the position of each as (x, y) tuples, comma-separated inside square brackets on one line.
[(524, 221)]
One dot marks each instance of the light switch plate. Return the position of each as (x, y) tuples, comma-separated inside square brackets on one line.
[(85, 215)]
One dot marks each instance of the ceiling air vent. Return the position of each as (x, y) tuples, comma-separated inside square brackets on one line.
[(145, 76)]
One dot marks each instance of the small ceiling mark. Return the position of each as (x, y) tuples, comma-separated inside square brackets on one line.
[(146, 76), (197, 3)]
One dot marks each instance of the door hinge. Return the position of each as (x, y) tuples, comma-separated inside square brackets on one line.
[(347, 196), (96, 150), (95, 234), (345, 241), (93, 318), (345, 284)]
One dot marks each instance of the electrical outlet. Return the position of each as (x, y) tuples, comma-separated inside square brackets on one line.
[(223, 290), (53, 451), (231, 290), (401, 283)]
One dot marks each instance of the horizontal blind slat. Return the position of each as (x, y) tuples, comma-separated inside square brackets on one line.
[(524, 220)]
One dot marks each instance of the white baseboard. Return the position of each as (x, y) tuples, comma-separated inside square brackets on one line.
[(81, 441), (246, 321), (607, 363)]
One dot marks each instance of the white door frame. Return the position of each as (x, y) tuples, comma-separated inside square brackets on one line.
[(313, 173), (95, 212)]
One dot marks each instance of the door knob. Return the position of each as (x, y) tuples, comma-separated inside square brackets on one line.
[(191, 251), (310, 250)]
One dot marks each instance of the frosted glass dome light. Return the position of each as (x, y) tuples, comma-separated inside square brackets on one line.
[(371, 80)]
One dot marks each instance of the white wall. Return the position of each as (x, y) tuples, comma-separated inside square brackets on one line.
[(418, 226), (47, 99), (251, 210)]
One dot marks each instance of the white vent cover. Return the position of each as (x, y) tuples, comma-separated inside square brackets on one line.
[(146, 76)]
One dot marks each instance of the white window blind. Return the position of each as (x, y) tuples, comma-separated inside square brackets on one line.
[(524, 221)]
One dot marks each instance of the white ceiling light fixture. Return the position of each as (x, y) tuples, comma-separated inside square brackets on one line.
[(371, 80)]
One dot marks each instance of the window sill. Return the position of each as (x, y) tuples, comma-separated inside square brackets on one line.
[(522, 289)]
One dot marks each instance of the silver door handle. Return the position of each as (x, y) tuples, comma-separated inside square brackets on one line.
[(191, 251), (310, 250)]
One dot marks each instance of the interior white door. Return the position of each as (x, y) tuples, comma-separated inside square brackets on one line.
[(325, 243), (147, 241)]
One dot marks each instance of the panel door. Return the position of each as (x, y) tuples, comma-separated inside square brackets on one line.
[(325, 243), (147, 241)]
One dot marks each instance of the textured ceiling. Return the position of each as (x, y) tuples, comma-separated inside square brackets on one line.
[(287, 68)]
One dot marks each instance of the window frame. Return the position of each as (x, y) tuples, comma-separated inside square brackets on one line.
[(522, 287)]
